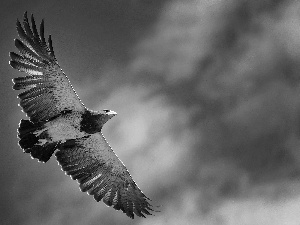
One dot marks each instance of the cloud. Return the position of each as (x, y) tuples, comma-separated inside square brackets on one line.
[(147, 127), (287, 29), (179, 40)]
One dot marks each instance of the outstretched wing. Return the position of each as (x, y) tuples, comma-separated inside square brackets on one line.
[(92, 162), (49, 89)]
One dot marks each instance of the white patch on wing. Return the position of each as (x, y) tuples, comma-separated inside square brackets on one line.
[(38, 132), (89, 192), (42, 142), (115, 200), (108, 193), (93, 179), (107, 196)]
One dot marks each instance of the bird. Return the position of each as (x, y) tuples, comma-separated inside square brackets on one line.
[(60, 124)]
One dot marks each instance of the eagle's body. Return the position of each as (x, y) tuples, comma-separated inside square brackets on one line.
[(60, 122)]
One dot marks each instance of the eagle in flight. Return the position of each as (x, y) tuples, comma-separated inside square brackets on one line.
[(60, 122)]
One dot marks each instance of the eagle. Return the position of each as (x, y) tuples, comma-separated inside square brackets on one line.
[(60, 124)]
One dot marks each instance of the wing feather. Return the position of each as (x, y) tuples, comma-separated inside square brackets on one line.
[(92, 162), (28, 52), (20, 59), (49, 91), (34, 80), (43, 41), (27, 26), (32, 70), (34, 30), (51, 47)]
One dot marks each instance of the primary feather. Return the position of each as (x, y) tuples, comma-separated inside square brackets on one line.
[(59, 121)]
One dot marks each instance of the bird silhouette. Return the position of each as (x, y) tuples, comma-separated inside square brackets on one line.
[(60, 124)]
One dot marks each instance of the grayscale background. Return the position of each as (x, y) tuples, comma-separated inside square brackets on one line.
[(207, 95)]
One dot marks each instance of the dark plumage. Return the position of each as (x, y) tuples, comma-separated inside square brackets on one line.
[(60, 122)]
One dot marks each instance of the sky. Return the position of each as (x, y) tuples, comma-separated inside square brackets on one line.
[(207, 96)]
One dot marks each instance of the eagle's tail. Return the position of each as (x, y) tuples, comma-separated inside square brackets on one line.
[(34, 140)]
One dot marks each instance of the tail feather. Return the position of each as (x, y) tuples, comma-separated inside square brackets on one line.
[(26, 127), (34, 142)]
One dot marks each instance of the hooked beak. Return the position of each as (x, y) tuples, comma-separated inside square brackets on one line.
[(111, 113)]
